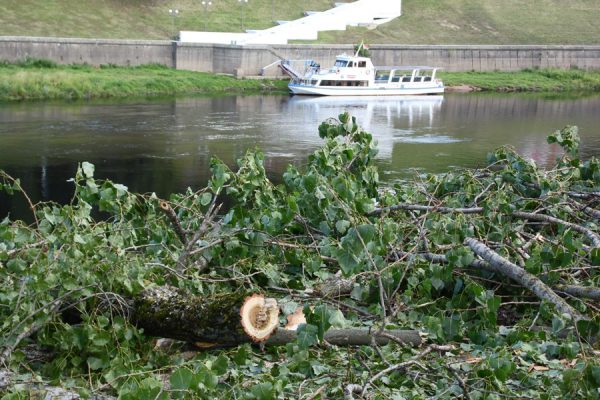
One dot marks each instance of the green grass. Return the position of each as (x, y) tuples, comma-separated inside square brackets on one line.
[(484, 22), (423, 21), (142, 19), (43, 80), (543, 80)]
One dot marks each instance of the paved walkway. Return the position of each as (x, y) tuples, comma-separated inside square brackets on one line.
[(362, 12)]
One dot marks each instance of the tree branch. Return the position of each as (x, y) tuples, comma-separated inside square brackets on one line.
[(499, 264), (593, 237)]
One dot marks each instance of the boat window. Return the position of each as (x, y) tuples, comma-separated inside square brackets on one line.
[(427, 79), (341, 63), (406, 79), (396, 79), (418, 79), (382, 76), (362, 64)]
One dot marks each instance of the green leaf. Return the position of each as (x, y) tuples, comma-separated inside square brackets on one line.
[(342, 226), (319, 317), (367, 232), (88, 169), (337, 320), (220, 365), (210, 380), (95, 363), (263, 391), (206, 198), (307, 335), (595, 256), (181, 379)]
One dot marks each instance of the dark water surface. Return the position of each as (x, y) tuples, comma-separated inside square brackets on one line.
[(166, 145)]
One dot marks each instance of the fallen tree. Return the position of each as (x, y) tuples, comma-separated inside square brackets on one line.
[(470, 283)]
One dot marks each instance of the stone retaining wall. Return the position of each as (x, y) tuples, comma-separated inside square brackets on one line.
[(249, 60)]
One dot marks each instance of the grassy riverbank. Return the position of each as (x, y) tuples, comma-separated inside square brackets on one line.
[(532, 80), (42, 80)]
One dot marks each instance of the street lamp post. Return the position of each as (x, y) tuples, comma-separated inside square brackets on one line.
[(173, 12), (242, 2), (206, 4)]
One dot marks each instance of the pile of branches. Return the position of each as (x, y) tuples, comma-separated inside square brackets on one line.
[(474, 283)]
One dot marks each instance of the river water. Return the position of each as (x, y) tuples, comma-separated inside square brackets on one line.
[(164, 146)]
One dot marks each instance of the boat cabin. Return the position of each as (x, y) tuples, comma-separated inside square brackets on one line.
[(355, 75)]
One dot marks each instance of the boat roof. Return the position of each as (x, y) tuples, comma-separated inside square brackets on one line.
[(353, 57), (405, 67)]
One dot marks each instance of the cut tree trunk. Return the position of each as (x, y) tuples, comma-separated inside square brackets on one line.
[(216, 321), (352, 337), (235, 318)]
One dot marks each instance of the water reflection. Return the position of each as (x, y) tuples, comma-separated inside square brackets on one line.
[(166, 146), (390, 119)]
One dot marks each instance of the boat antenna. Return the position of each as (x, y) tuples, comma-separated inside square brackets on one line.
[(359, 47)]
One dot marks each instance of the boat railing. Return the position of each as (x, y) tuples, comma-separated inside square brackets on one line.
[(297, 69)]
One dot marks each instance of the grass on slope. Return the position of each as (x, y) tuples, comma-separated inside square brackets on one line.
[(143, 19), (484, 22), (423, 21), (37, 80)]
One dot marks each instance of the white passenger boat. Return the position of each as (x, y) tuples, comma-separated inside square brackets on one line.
[(353, 75)]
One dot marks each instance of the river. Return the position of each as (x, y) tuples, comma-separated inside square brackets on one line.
[(165, 145)]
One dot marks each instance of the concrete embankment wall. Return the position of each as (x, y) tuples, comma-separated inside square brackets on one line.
[(88, 51), (249, 60)]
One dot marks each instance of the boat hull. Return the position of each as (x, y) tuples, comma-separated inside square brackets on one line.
[(363, 91)]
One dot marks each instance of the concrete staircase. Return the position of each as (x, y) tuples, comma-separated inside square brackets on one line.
[(362, 12)]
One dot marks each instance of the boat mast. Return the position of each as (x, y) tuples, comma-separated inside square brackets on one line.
[(359, 47)]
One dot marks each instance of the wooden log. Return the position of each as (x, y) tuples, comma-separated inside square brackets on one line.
[(418, 207), (223, 320), (336, 286), (235, 318), (352, 337)]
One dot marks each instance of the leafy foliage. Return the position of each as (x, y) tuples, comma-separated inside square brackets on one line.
[(66, 281)]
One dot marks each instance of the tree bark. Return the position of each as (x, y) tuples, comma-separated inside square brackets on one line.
[(501, 265), (223, 320), (418, 207), (351, 337), (336, 286), (588, 292), (215, 322)]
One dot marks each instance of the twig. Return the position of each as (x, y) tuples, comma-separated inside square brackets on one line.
[(403, 365), (24, 193), (211, 213), (170, 213), (461, 382), (317, 392), (25, 247)]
